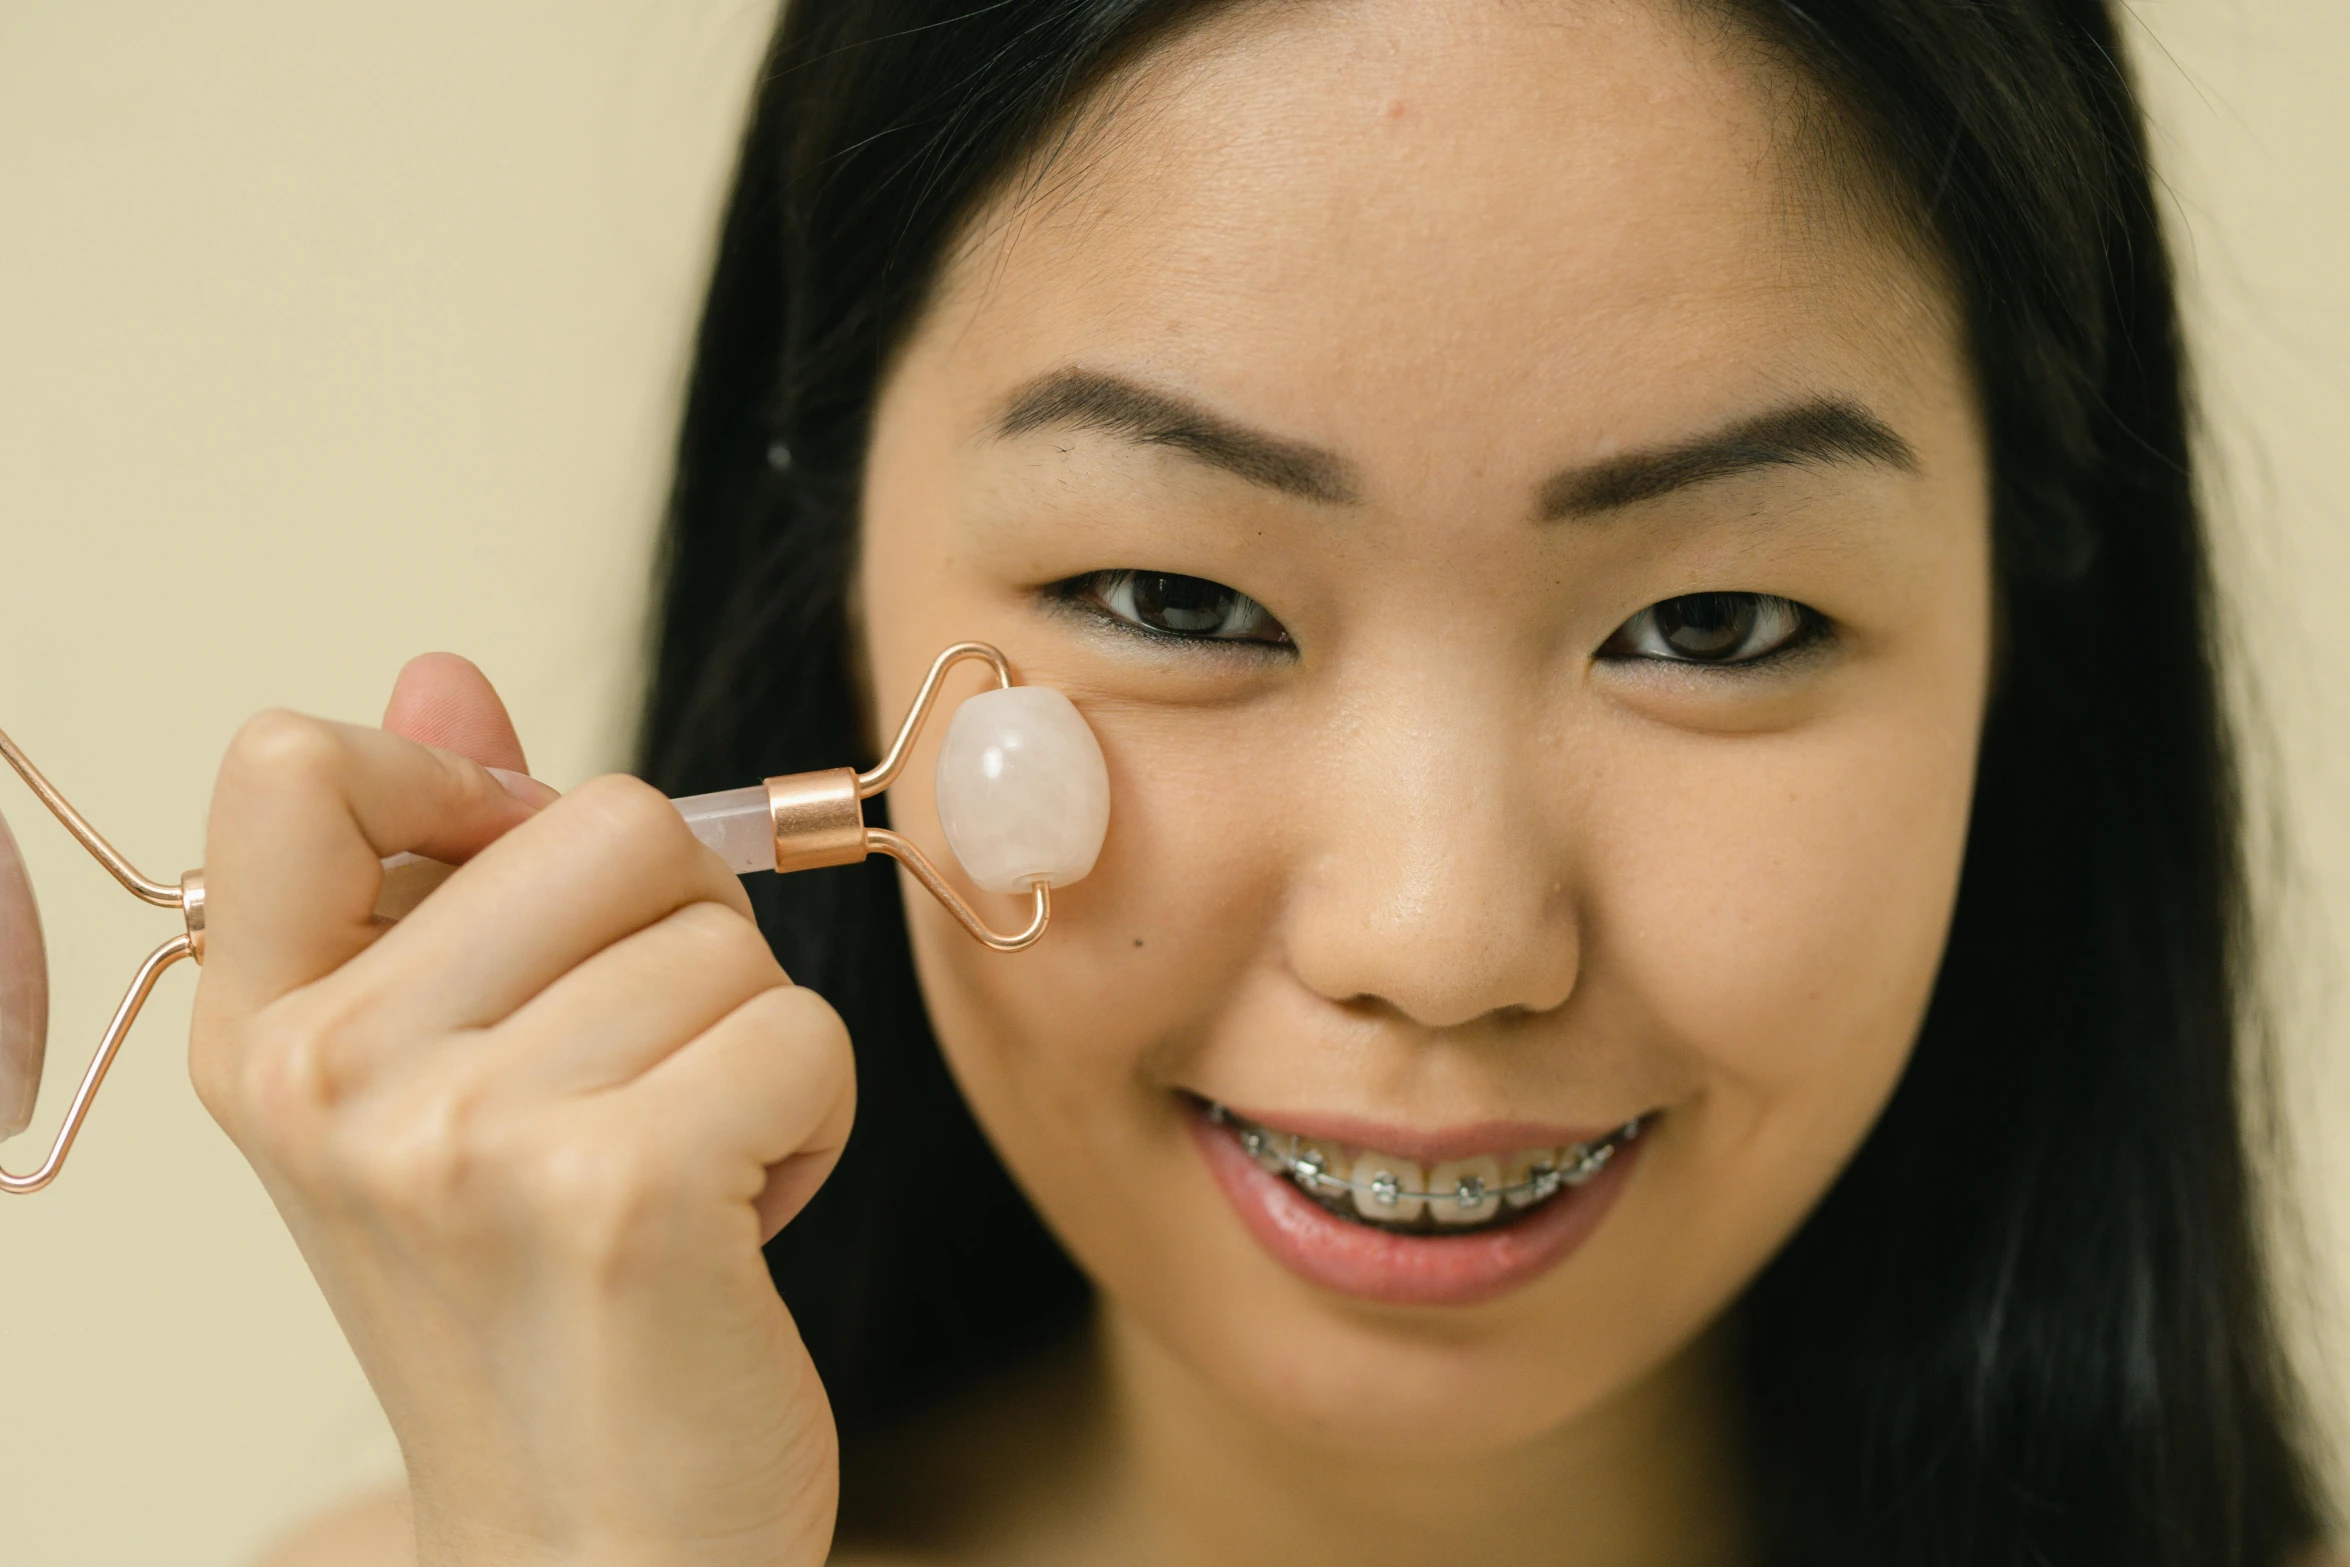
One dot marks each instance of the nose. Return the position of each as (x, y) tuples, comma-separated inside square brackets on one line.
[(1434, 880)]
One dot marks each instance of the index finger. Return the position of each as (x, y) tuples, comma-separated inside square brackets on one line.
[(303, 814)]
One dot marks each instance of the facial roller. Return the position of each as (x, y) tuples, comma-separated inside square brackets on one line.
[(1023, 795)]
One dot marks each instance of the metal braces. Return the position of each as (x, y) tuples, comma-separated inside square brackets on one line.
[(1307, 1168)]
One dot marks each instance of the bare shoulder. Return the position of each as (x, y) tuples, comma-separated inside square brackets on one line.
[(373, 1530), (368, 1531)]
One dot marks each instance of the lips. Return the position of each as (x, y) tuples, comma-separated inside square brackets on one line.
[(1371, 1256)]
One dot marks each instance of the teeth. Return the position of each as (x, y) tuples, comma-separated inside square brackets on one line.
[(1530, 1175), (1400, 1191), (1380, 1183), (1271, 1149), (1586, 1162), (1317, 1166), (1461, 1191), (1332, 1160)]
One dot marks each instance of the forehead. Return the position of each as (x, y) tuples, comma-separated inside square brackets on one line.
[(1444, 206)]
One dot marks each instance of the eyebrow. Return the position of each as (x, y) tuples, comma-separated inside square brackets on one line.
[(1092, 400), (1815, 432), (1824, 430)]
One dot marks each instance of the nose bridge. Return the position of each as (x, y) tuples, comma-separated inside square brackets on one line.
[(1436, 884)]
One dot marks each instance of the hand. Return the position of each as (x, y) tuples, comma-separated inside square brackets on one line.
[(531, 1137)]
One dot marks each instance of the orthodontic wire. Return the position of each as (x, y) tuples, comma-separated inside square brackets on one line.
[(1308, 1171)]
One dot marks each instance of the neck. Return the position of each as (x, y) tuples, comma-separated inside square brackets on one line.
[(1651, 1477)]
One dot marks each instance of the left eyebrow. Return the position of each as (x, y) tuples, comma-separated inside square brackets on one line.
[(1819, 431)]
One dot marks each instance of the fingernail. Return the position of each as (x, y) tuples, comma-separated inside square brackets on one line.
[(523, 787)]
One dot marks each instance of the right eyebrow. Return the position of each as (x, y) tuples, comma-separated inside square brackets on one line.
[(1093, 400), (1810, 432)]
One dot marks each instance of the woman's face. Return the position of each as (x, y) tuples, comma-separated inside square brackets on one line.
[(1519, 530)]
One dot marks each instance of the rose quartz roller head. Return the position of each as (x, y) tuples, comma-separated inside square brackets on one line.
[(1023, 794)]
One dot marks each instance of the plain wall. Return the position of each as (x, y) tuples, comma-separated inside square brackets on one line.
[(290, 293)]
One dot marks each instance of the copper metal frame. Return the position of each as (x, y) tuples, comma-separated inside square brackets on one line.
[(187, 897), (818, 820), (819, 817)]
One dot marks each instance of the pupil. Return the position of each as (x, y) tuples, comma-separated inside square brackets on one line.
[(1174, 603), (1708, 624)]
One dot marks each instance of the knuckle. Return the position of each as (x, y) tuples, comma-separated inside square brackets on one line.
[(629, 809), (306, 1096), (279, 744), (803, 1026), (809, 1016), (634, 832), (608, 1202), (819, 1067), (422, 1157), (304, 1048), (725, 939), (283, 1078), (816, 1022), (272, 1091)]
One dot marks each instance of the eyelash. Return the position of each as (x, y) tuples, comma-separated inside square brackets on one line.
[(1128, 599), (1767, 628)]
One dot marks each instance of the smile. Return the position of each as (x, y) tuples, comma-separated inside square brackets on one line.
[(1455, 1222), (1405, 1195)]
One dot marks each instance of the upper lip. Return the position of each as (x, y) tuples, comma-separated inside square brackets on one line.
[(1427, 1145)]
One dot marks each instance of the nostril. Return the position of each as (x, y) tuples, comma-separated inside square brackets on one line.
[(1439, 978)]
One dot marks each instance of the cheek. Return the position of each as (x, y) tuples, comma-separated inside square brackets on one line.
[(1066, 1051), (1776, 926), (1777, 915), (1766, 917), (1785, 912)]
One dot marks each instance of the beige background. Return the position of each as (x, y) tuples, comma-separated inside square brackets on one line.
[(291, 292)]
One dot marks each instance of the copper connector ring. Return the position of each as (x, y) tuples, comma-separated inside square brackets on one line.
[(819, 820)]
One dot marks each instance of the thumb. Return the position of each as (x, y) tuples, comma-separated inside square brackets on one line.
[(445, 701)]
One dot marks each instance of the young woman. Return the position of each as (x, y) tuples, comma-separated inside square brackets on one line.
[(1634, 564)]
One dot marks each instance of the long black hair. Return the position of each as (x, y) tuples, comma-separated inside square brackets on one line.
[(2029, 1324)]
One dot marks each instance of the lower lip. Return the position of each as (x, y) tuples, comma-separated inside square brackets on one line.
[(1404, 1270)]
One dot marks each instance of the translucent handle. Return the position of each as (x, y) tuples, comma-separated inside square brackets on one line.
[(733, 822)]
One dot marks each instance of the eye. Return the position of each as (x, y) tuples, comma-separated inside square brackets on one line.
[(1716, 628), (1177, 606)]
